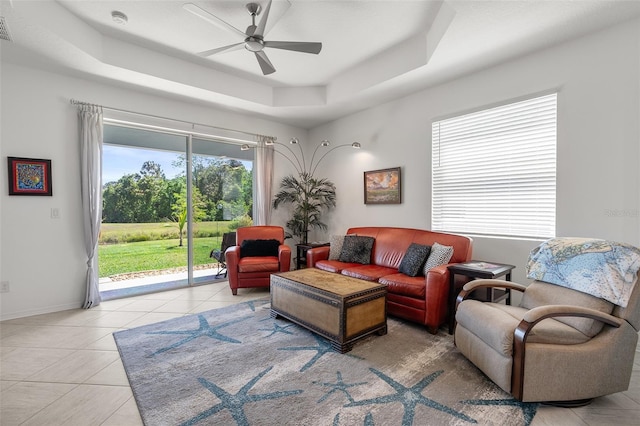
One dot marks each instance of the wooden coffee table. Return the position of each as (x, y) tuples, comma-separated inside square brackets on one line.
[(340, 308)]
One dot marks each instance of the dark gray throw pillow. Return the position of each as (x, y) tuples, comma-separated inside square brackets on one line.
[(356, 249), (254, 248), (412, 263)]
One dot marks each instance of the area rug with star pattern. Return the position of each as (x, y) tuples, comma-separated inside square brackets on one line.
[(239, 366)]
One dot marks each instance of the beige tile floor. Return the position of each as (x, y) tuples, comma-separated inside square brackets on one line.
[(64, 369)]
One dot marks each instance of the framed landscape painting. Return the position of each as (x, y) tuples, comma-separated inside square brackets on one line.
[(29, 176), (382, 186)]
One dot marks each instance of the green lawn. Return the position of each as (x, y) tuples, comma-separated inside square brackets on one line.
[(136, 247), (114, 233), (152, 255)]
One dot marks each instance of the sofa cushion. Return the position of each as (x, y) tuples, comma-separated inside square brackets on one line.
[(334, 266), (550, 330), (412, 263), (356, 249), (499, 335), (391, 245), (259, 264), (440, 255), (368, 272), (252, 248), (405, 285), (504, 319)]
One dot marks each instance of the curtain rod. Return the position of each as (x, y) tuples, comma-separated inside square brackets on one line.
[(76, 102)]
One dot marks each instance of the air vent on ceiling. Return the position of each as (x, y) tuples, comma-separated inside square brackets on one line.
[(4, 30)]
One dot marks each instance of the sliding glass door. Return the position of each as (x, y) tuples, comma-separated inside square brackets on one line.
[(167, 200), (222, 199)]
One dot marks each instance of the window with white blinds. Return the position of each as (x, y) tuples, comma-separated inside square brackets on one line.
[(494, 171)]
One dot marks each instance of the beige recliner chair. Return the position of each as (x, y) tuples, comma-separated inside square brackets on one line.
[(559, 345)]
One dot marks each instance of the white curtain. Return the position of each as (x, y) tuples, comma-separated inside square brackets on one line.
[(90, 121), (264, 182)]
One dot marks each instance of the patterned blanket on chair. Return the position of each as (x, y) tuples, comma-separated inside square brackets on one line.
[(601, 268)]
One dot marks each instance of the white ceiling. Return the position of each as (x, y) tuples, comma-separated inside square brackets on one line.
[(373, 51)]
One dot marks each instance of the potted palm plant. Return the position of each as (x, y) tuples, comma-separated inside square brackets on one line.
[(310, 197)]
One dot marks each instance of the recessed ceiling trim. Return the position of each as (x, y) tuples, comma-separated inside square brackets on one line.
[(461, 37)]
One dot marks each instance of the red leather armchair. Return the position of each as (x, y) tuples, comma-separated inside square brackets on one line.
[(255, 271)]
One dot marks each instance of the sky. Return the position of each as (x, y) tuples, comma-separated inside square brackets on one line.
[(118, 161)]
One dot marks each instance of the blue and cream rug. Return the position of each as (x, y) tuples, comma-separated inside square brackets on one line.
[(237, 365)]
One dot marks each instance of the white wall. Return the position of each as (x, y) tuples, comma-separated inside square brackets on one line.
[(43, 259), (598, 185)]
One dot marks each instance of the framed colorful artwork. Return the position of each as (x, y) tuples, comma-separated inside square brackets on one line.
[(29, 176), (382, 186)]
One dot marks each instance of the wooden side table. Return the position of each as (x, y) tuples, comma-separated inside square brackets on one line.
[(301, 252), (478, 269)]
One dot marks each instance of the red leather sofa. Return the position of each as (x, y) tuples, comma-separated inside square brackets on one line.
[(422, 299)]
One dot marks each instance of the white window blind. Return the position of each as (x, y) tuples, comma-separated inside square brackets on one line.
[(494, 171)]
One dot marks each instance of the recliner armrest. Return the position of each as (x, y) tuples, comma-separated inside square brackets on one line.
[(535, 315)]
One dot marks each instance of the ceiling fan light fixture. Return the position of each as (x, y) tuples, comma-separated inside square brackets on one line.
[(253, 44), (119, 17)]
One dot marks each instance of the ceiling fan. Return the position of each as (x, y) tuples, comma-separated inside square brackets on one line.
[(253, 37)]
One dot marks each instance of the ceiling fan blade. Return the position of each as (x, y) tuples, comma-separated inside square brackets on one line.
[(229, 48), (265, 64), (263, 21), (298, 46), (201, 13)]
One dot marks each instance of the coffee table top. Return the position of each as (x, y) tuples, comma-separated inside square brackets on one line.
[(339, 284)]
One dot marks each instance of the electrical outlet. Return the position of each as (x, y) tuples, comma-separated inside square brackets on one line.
[(4, 287), (55, 213)]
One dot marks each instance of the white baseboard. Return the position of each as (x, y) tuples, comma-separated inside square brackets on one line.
[(46, 310)]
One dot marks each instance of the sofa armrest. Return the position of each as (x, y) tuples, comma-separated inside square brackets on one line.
[(315, 254), (232, 257), (438, 273), (437, 295), (284, 257)]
